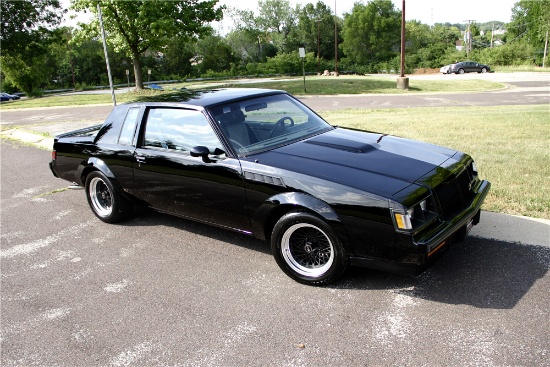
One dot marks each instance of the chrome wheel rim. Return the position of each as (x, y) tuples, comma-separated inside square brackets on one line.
[(101, 197), (307, 250)]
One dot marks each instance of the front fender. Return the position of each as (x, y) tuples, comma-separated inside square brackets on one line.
[(92, 163), (275, 207)]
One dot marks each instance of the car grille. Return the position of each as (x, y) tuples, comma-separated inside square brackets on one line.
[(456, 195)]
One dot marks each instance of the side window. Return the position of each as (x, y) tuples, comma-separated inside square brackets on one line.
[(128, 127), (179, 129)]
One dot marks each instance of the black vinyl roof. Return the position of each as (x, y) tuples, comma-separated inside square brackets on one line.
[(205, 98)]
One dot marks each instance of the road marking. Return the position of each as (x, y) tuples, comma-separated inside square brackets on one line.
[(136, 353), (28, 248), (116, 287), (27, 193), (395, 322)]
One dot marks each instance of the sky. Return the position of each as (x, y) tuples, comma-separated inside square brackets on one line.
[(426, 11)]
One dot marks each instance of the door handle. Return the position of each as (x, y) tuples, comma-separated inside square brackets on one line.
[(140, 159)]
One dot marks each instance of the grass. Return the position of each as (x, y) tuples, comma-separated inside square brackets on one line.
[(315, 86), (368, 84), (509, 144), (521, 68), (71, 100)]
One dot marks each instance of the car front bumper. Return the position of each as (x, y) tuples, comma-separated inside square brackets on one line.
[(415, 253)]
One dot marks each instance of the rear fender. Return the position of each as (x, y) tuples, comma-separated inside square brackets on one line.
[(90, 165)]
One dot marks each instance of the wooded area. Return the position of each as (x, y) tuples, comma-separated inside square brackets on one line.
[(176, 40)]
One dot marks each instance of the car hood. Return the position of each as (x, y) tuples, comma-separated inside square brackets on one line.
[(371, 162)]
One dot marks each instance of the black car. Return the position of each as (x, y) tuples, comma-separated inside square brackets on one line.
[(261, 163), (469, 67), (8, 97)]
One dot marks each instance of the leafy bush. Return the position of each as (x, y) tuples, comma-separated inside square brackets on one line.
[(517, 53), (8, 87)]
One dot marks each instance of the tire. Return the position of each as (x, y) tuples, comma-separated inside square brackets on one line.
[(461, 71), (483, 70), (104, 200), (306, 248)]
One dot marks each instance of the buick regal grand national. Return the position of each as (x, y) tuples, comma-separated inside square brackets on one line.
[(261, 163)]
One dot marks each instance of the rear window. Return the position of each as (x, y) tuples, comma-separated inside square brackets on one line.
[(129, 127)]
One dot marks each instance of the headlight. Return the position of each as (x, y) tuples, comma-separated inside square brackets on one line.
[(416, 217)]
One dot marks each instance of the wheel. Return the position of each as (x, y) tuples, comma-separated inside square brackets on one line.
[(281, 122), (461, 71), (106, 203), (307, 249), (483, 70)]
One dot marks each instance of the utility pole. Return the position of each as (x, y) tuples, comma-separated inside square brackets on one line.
[(469, 38), (492, 35), (402, 81), (71, 60), (106, 54), (403, 40), (318, 46), (545, 50), (335, 41)]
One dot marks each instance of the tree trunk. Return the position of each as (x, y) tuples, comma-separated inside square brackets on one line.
[(137, 68)]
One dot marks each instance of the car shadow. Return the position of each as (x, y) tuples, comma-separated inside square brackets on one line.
[(479, 272), (147, 217)]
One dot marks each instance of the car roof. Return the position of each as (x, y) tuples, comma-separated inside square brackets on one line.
[(204, 98)]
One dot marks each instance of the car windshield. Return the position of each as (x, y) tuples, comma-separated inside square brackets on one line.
[(264, 123)]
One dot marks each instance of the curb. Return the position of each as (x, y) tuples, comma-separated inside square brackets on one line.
[(40, 141), (495, 226)]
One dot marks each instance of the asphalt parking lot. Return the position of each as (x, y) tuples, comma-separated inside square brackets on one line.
[(162, 291)]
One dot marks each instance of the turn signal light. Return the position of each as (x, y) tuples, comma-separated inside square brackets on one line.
[(403, 221)]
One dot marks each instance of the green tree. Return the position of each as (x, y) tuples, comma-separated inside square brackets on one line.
[(316, 25), (426, 46), (25, 38), (139, 25), (278, 20), (531, 20), (247, 40), (215, 53), (371, 32), (176, 57)]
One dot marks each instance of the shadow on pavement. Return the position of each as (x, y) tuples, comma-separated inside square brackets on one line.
[(478, 272)]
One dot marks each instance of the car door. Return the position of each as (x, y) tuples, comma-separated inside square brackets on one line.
[(168, 178)]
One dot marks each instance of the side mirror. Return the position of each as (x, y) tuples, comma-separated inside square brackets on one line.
[(204, 152), (200, 151)]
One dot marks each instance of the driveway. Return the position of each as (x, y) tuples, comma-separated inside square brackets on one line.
[(161, 291), (523, 89)]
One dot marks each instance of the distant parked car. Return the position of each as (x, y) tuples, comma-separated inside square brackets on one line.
[(8, 97), (446, 69), (469, 67)]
